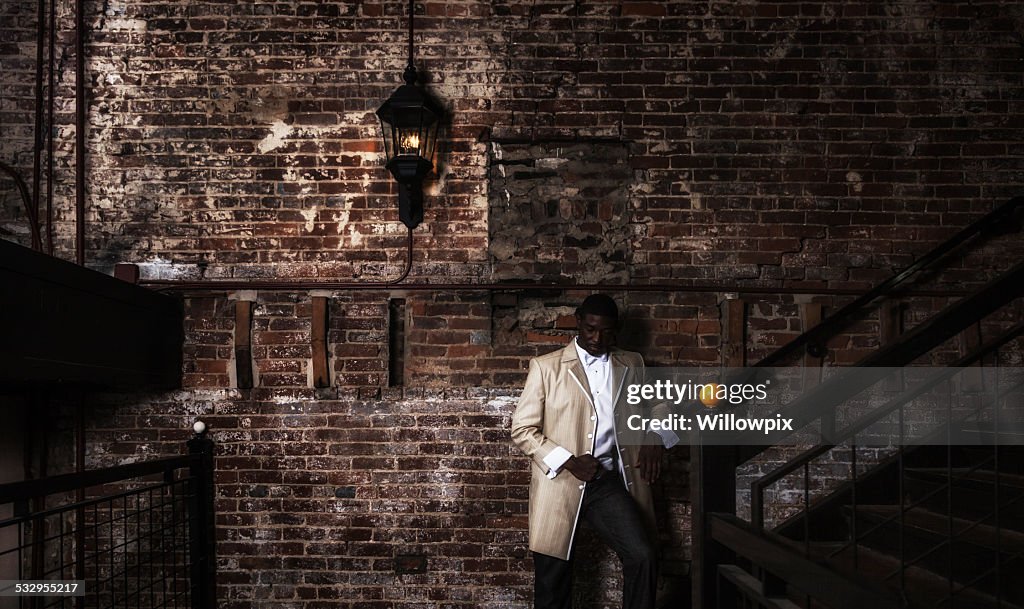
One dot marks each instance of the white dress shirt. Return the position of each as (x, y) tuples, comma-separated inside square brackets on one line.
[(599, 377)]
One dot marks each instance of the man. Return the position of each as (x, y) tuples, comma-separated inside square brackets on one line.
[(583, 467)]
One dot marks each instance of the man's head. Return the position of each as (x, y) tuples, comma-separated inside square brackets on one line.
[(596, 321)]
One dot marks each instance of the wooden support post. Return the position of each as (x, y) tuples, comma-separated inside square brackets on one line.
[(321, 370), (713, 473), (734, 324), (890, 328), (712, 490), (243, 343), (810, 316), (810, 313), (969, 340)]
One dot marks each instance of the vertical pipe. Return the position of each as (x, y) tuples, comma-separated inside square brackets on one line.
[(807, 509), (37, 148), (80, 131), (49, 128), (949, 487), (853, 498), (80, 499), (995, 489), (902, 503), (412, 10)]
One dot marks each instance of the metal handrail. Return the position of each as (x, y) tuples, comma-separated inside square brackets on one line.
[(1001, 218), (757, 487), (830, 393), (27, 489)]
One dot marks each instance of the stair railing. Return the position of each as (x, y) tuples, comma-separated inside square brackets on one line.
[(1003, 219), (758, 487), (719, 463)]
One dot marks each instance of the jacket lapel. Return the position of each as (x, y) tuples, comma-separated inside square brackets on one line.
[(619, 370), (571, 360)]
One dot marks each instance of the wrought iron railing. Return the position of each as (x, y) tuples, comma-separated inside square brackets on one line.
[(136, 535)]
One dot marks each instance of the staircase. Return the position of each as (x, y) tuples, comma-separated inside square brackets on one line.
[(938, 523), (949, 532)]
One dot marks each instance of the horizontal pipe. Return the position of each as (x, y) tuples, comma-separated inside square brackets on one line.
[(273, 285)]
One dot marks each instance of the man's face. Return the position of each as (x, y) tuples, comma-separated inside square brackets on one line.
[(597, 333)]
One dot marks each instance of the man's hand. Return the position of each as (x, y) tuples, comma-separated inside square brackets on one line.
[(649, 462), (583, 467)]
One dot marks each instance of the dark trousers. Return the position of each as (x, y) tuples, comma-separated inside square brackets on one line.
[(617, 520)]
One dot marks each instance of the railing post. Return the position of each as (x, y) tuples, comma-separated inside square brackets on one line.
[(713, 489), (203, 582)]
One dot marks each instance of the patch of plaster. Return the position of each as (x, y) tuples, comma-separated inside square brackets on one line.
[(275, 139), (310, 216)]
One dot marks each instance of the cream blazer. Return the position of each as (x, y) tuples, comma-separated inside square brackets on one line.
[(556, 409)]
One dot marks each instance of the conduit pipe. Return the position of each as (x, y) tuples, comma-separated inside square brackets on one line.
[(37, 146), (52, 97), (298, 286), (80, 104), (213, 284)]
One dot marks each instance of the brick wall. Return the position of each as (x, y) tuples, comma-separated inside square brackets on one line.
[(318, 500), (766, 141), (806, 145)]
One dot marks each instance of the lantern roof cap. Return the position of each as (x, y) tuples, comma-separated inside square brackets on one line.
[(408, 97)]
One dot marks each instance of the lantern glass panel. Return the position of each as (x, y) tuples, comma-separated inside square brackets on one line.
[(389, 137)]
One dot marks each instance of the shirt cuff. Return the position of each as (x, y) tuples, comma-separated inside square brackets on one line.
[(556, 459), (668, 437)]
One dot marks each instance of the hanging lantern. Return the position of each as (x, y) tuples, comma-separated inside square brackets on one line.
[(409, 122)]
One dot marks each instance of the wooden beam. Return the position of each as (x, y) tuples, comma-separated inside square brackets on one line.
[(890, 327), (243, 344), (810, 316), (734, 341), (318, 337), (969, 340)]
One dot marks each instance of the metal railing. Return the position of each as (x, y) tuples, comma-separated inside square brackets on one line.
[(136, 535), (958, 528), (715, 467)]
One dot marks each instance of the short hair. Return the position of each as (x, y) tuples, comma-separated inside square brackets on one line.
[(598, 304)]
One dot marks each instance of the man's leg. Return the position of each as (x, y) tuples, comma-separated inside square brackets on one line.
[(552, 583), (615, 516)]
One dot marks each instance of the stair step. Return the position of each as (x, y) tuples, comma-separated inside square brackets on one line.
[(985, 435), (964, 475), (974, 553), (982, 535), (751, 587), (923, 588), (1011, 456), (973, 494)]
